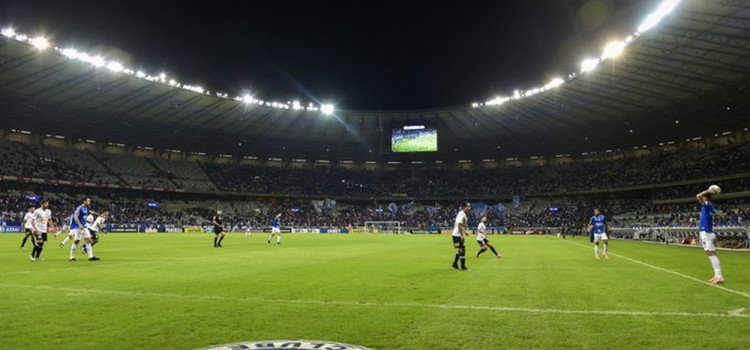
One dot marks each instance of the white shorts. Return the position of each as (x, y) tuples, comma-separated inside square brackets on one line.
[(276, 230), (708, 241), (80, 233), (600, 237)]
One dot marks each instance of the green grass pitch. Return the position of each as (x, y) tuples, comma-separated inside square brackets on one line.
[(175, 291), (420, 144)]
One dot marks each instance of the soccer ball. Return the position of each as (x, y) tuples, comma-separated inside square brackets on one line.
[(715, 189)]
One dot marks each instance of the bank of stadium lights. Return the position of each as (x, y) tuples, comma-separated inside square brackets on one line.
[(116, 67), (611, 51)]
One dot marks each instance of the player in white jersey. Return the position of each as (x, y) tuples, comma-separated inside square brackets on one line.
[(40, 224), (28, 226), (95, 226), (482, 240), (459, 236)]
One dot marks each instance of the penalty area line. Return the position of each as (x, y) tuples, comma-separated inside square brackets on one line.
[(629, 313), (659, 268)]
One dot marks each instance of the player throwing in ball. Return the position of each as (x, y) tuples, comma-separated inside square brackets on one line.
[(707, 236), (276, 229)]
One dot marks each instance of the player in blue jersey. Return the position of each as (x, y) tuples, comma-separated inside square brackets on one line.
[(79, 230), (276, 229), (598, 227), (70, 235), (707, 236)]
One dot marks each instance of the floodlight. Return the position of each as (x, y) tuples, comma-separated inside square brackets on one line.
[(115, 66), (40, 43), (655, 17), (327, 109), (72, 53), (613, 49), (589, 65), (554, 83), (9, 32)]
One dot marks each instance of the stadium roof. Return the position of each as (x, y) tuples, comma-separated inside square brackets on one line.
[(685, 77)]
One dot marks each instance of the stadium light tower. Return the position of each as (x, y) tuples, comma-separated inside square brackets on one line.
[(327, 109)]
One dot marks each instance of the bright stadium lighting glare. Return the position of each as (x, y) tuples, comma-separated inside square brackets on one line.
[(589, 65), (40, 43), (98, 61), (140, 74), (70, 52), (115, 66), (554, 83), (613, 49), (655, 17), (9, 32), (327, 109)]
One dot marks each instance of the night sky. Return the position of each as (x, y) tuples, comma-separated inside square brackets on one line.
[(374, 55)]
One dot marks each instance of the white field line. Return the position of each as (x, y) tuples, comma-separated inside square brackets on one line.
[(729, 290), (733, 314)]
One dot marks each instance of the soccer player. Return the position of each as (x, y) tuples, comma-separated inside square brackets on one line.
[(79, 230), (482, 240), (95, 226), (276, 229), (459, 236), (28, 226), (598, 227), (70, 234), (218, 230), (707, 236), (248, 228), (42, 216)]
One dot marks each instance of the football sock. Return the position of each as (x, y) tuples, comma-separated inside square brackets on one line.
[(455, 260), (596, 250), (39, 250), (33, 251), (716, 265), (463, 261), (481, 251), (221, 239), (65, 240), (73, 251), (90, 250), (278, 239), (24, 240), (606, 248), (215, 241), (493, 250)]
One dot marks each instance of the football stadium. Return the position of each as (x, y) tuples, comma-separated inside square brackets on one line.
[(592, 191)]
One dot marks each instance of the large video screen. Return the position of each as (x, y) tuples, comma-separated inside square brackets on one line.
[(414, 138)]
